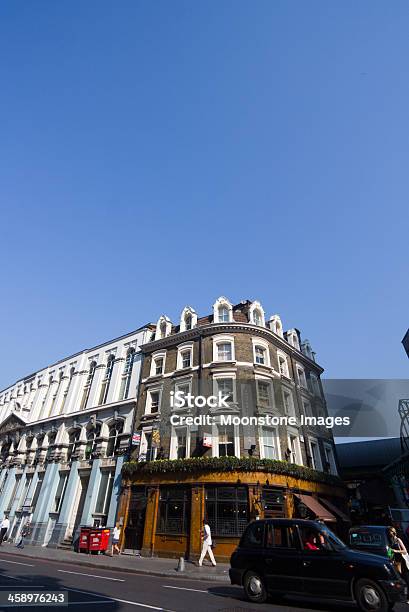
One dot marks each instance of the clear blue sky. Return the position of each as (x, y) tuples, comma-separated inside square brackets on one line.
[(155, 154)]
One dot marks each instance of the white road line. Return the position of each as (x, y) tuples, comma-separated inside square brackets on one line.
[(16, 562), (166, 586), (14, 578), (131, 603), (90, 575)]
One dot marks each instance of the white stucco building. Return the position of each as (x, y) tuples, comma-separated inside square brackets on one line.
[(64, 432)]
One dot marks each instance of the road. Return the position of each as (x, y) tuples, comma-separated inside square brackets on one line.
[(96, 590)]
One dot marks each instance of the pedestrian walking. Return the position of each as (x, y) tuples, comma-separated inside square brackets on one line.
[(115, 540), (207, 544), (25, 532), (4, 527), (398, 549)]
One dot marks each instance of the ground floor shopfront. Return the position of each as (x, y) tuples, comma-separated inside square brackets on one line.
[(162, 514)]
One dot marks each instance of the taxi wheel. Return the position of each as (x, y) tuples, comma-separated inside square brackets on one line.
[(254, 587), (370, 597)]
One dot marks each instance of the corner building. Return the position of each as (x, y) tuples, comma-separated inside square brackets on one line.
[(178, 474), (64, 434)]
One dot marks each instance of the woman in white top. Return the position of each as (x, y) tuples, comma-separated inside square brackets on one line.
[(115, 540)]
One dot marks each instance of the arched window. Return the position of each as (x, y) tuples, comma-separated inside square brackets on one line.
[(106, 381), (73, 443), (127, 373), (67, 388), (163, 329), (222, 311), (114, 439), (92, 440), (88, 384), (188, 322)]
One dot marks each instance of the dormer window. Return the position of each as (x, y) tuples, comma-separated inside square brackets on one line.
[(222, 311), (188, 319), (256, 314), (163, 328), (292, 338), (275, 325)]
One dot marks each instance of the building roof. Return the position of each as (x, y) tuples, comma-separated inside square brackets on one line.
[(368, 453)]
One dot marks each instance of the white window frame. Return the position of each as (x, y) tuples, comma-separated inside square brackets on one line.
[(276, 439), (179, 383), (271, 405), (284, 357), (257, 307), (148, 404), (222, 301), (293, 433), (317, 465), (301, 377), (331, 460), (215, 440), (173, 451), (186, 346), (287, 390), (292, 339), (258, 342), (144, 444), (155, 356), (224, 376), (223, 340), (168, 327), (185, 312), (276, 325)]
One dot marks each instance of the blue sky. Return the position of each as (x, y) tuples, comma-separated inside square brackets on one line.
[(154, 154)]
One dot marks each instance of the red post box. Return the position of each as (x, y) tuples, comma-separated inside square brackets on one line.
[(83, 545), (98, 540)]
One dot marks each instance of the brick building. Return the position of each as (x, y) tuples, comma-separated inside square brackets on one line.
[(230, 472)]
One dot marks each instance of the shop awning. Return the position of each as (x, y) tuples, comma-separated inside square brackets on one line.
[(336, 510), (316, 508)]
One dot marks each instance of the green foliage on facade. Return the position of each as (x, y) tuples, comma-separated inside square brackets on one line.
[(228, 464)]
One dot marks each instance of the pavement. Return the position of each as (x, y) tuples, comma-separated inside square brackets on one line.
[(153, 566), (113, 590)]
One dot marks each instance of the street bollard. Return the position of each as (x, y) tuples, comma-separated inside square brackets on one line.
[(181, 565)]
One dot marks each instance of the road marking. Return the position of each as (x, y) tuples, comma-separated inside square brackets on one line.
[(90, 575), (16, 562), (131, 603), (14, 578), (166, 586)]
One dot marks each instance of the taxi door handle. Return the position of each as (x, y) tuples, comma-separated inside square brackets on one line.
[(306, 563)]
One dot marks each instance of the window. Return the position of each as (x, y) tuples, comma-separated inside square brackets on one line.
[(60, 492), (13, 494), (273, 502), (126, 374), (301, 377), (224, 351), (182, 387), (37, 491), (67, 388), (226, 441), (227, 510), (188, 322), (269, 443), (88, 384), (288, 403), (23, 497), (92, 443), (253, 537), (225, 386), (223, 313), (315, 387), (55, 394), (307, 408), (104, 492), (174, 510), (50, 447), (294, 449), (40, 443), (147, 450), (73, 444), (152, 402), (330, 459), (159, 366), (260, 355), (106, 381), (163, 329), (186, 358), (263, 393), (281, 536), (114, 440), (179, 443), (292, 338), (315, 455), (283, 365)]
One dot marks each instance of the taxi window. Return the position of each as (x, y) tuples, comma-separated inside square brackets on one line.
[(253, 536), (281, 536)]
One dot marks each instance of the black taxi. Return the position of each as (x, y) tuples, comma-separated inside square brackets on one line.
[(304, 558)]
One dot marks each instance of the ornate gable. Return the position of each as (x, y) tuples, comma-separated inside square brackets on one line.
[(11, 423)]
